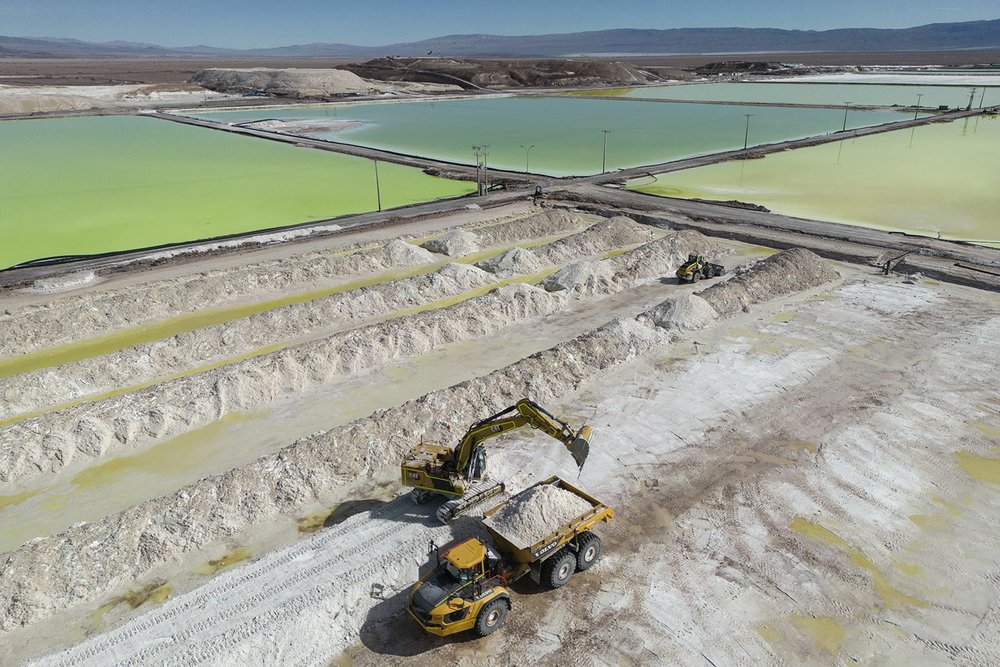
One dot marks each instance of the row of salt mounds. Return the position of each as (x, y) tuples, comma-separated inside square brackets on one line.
[(650, 260), (549, 223), (535, 513), (608, 234), (61, 571), (512, 263), (46, 443), (83, 315), (465, 241), (788, 271)]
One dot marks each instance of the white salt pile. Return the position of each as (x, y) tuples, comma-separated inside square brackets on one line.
[(532, 515), (454, 244)]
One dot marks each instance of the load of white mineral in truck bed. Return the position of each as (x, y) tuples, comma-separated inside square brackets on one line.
[(529, 517)]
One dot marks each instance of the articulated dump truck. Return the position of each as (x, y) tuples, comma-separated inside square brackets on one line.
[(469, 587)]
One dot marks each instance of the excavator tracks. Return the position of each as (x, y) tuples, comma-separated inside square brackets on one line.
[(474, 496)]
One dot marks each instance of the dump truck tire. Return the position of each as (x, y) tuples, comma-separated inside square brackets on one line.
[(589, 552), (558, 569), (696, 276), (492, 616)]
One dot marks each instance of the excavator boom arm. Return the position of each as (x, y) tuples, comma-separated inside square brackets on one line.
[(525, 412)]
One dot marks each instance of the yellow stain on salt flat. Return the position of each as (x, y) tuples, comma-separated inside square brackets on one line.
[(155, 593), (768, 632), (990, 432), (930, 283), (911, 569), (784, 317), (804, 445), (17, 498), (825, 631), (928, 522), (756, 250), (951, 509), (168, 457), (983, 468), (890, 596), (231, 557)]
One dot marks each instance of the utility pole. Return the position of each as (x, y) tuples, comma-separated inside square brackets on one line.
[(527, 150), (981, 97), (481, 151), (746, 133), (972, 96), (917, 109), (604, 159), (847, 105), (378, 189)]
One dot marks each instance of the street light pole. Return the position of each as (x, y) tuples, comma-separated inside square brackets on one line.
[(746, 133), (527, 150), (847, 105), (917, 110), (604, 158), (378, 189)]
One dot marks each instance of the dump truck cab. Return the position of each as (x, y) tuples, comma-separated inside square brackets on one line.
[(468, 588), (464, 591)]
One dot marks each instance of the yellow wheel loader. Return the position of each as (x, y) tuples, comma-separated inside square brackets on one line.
[(459, 473), (696, 268), (469, 587)]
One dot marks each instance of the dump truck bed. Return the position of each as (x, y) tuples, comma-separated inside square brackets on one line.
[(540, 549)]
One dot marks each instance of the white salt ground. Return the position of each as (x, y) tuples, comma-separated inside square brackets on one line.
[(530, 516)]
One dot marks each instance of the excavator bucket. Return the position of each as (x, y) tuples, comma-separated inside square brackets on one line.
[(580, 447)]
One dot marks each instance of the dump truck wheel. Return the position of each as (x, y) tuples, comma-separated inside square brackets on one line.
[(558, 569), (589, 552), (696, 276), (492, 616)]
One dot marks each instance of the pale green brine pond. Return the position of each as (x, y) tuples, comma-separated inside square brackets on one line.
[(565, 133), (78, 186), (942, 177), (837, 94)]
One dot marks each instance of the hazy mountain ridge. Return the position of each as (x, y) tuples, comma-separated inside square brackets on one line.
[(931, 37)]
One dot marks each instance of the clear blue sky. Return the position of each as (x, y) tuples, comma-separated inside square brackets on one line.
[(264, 23)]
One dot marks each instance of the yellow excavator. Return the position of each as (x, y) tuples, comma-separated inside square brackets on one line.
[(459, 473)]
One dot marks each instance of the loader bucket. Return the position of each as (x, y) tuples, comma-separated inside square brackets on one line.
[(580, 447)]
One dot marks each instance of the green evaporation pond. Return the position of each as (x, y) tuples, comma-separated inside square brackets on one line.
[(565, 132), (821, 93), (75, 186), (941, 177)]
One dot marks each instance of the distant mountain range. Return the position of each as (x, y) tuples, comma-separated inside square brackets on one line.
[(932, 37)]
